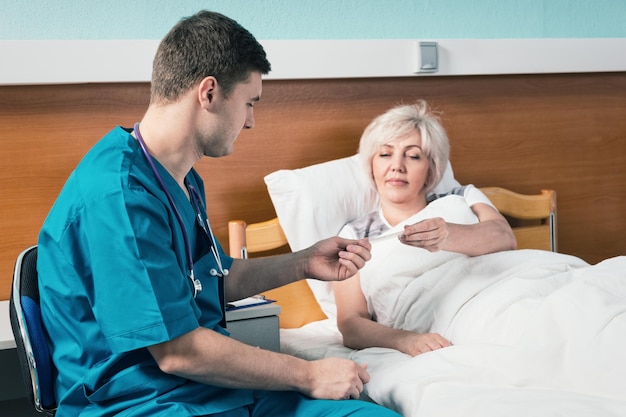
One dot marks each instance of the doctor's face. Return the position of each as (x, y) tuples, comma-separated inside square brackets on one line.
[(400, 171), (234, 113)]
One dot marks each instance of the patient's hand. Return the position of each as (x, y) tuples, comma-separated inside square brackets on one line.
[(417, 343), (429, 234), (336, 259)]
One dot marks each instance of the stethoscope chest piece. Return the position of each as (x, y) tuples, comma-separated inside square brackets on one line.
[(197, 285)]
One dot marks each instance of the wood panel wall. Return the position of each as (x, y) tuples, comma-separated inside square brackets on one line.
[(523, 132)]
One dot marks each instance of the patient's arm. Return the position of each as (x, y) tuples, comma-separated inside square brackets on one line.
[(491, 234), (359, 331)]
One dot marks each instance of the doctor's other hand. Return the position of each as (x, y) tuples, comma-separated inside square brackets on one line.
[(336, 379), (336, 259)]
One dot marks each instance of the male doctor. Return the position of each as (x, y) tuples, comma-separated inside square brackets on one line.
[(133, 283)]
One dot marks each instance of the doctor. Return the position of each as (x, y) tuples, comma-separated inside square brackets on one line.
[(132, 281)]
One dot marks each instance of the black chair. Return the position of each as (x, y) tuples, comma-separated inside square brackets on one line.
[(37, 369)]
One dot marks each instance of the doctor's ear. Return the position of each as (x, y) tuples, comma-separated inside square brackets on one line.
[(207, 90)]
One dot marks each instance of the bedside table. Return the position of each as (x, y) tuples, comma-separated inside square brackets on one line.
[(256, 326)]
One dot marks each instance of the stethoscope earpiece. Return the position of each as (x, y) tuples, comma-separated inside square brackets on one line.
[(213, 272)]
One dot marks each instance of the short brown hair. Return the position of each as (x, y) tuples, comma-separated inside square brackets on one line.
[(205, 44)]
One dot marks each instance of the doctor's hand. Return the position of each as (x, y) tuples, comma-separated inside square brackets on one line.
[(336, 259), (336, 379), (429, 234)]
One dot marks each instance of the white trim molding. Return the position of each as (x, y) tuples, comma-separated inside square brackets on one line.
[(85, 61)]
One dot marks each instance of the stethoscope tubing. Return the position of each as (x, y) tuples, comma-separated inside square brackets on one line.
[(159, 179), (204, 223)]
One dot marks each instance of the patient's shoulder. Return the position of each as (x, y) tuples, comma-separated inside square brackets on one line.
[(461, 190), (469, 192)]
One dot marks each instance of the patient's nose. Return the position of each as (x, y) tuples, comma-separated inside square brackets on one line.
[(397, 165)]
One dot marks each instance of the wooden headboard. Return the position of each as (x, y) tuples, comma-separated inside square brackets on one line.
[(523, 132)]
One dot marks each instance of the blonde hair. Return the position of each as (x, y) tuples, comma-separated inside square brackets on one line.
[(400, 121)]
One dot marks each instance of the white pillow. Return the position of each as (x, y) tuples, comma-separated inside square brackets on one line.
[(315, 202)]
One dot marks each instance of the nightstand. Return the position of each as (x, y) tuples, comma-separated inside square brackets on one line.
[(256, 326)]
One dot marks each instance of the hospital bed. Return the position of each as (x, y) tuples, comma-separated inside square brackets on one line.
[(534, 331)]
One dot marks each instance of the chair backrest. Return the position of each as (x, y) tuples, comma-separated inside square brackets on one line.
[(36, 364)]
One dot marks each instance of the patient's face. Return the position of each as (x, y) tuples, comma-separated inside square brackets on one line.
[(400, 170)]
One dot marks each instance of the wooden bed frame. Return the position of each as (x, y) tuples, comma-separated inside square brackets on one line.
[(532, 217), (565, 132)]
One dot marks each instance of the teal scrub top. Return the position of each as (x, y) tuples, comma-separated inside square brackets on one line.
[(113, 278)]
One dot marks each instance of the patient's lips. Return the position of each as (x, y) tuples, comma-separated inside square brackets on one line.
[(396, 181)]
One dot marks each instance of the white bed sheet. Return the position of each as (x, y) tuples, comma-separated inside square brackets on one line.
[(534, 333)]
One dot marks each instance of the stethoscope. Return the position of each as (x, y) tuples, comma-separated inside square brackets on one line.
[(203, 220)]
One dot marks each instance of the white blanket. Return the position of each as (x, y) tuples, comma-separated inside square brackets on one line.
[(534, 333)]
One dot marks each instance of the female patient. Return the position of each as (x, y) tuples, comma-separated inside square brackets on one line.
[(405, 152)]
